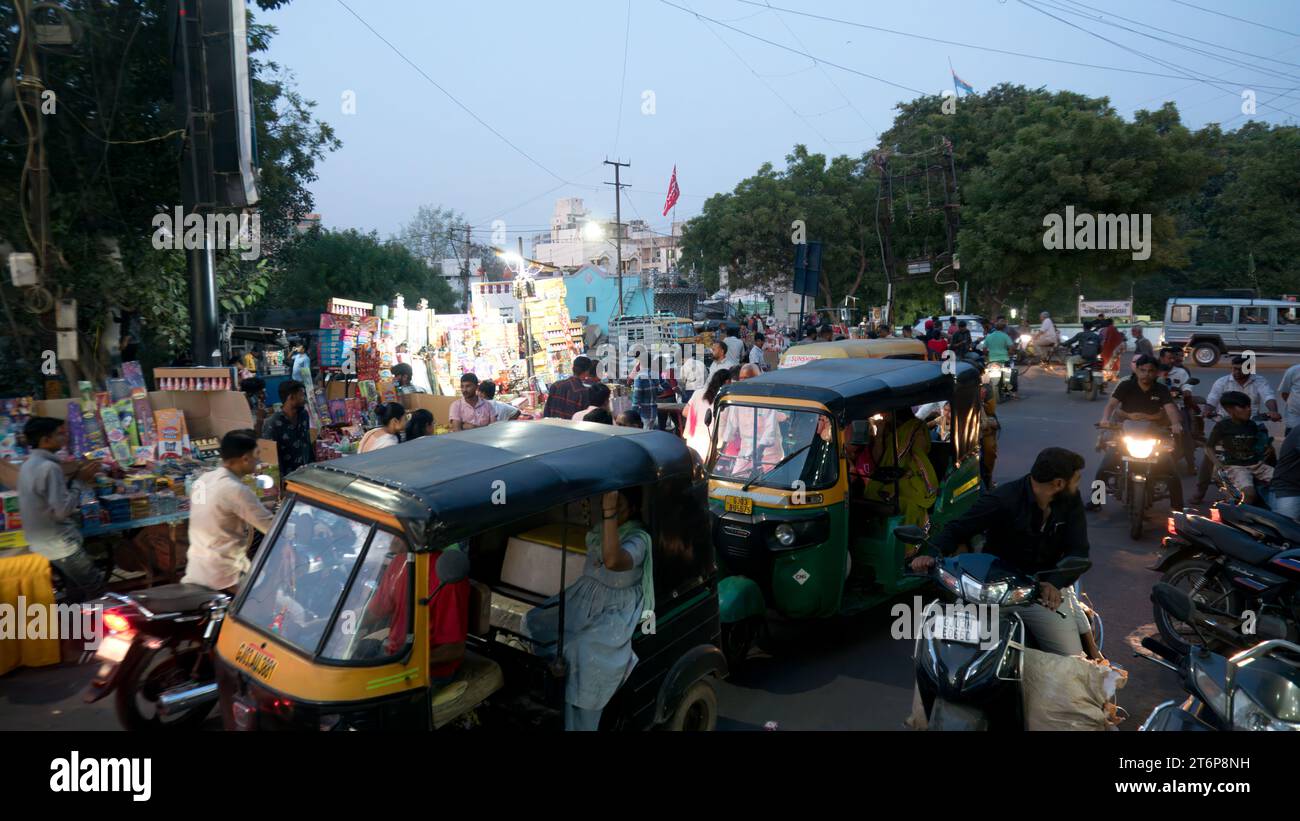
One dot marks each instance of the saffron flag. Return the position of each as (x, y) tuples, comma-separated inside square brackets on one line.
[(673, 193), (958, 84)]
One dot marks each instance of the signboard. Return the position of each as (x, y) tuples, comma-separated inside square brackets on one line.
[(807, 268), (792, 360), (1111, 307)]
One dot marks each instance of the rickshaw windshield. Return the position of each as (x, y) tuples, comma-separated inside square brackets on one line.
[(775, 447), (298, 588)]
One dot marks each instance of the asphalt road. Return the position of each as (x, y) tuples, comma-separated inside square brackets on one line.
[(839, 675)]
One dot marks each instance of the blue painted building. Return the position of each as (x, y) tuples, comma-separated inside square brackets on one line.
[(591, 292)]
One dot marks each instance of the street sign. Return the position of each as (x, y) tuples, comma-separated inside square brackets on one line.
[(1109, 307), (807, 268)]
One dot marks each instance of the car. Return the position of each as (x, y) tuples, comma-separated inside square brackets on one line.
[(974, 324), (1213, 327)]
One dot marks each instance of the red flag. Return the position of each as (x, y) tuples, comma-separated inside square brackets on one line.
[(673, 193)]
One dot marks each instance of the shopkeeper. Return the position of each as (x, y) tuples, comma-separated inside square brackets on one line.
[(49, 504), (471, 410), (402, 374), (290, 428)]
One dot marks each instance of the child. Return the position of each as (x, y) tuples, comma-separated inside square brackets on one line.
[(1239, 446)]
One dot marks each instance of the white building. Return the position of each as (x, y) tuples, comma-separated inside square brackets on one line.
[(450, 270), (572, 244)]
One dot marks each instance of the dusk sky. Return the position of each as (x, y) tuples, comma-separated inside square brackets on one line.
[(549, 77)]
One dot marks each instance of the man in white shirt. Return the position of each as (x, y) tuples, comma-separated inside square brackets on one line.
[(756, 352), (1291, 397), (695, 376), (503, 411), (222, 507), (1262, 401), (735, 347)]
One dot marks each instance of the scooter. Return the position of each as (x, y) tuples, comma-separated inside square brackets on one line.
[(157, 655), (1256, 688), (969, 672)]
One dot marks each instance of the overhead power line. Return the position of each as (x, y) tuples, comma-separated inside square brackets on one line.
[(1238, 19), (959, 44)]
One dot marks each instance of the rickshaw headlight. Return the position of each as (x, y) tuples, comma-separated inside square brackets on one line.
[(1139, 448), (784, 534)]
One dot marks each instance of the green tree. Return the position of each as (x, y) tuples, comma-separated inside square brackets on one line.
[(322, 264), (112, 144)]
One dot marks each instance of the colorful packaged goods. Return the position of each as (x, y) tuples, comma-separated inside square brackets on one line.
[(14, 414), (133, 374), (143, 417), (126, 413), (118, 442), (173, 439)]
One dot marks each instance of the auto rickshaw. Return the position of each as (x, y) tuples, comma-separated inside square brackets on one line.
[(853, 349), (319, 636), (790, 534)]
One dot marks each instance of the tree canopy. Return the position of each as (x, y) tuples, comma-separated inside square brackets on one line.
[(1219, 203)]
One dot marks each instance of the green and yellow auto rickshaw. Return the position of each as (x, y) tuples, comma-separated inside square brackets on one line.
[(332, 628), (796, 526)]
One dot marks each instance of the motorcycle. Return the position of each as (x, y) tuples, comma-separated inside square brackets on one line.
[(1256, 688), (1136, 483), (157, 655), (1005, 375), (1088, 377), (1231, 571), (966, 685)]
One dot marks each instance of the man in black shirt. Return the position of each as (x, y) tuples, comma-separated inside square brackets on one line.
[(1033, 523), (961, 343), (1286, 476), (290, 429), (1143, 398)]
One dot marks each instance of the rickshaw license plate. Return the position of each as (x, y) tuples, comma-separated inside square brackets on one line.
[(257, 661), (112, 648), (739, 504), (958, 627)]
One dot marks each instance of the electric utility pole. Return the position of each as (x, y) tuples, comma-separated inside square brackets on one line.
[(618, 227)]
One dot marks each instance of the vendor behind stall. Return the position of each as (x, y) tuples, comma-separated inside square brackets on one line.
[(49, 505)]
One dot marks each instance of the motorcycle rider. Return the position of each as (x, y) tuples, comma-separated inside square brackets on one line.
[(1084, 347), (961, 342), (1033, 523), (1262, 401), (1177, 379), (1142, 397), (222, 507)]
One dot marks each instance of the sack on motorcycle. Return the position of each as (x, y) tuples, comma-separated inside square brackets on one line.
[(1069, 692)]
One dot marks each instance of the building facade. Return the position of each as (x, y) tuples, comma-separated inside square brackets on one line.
[(591, 294)]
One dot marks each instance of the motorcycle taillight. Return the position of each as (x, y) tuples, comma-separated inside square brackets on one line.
[(1215, 516), (1173, 531), (116, 622)]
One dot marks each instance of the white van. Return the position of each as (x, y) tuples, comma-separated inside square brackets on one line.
[(1211, 327)]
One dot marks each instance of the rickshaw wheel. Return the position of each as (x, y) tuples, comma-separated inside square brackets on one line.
[(697, 711)]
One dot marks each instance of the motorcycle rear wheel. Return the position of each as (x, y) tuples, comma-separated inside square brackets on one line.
[(1215, 593), (147, 673)]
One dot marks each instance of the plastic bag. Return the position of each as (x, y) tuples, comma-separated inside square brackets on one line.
[(1070, 692)]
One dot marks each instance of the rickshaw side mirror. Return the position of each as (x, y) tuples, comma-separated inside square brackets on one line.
[(909, 534), (452, 566)]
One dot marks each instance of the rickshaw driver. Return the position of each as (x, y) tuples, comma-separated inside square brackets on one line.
[(1033, 523)]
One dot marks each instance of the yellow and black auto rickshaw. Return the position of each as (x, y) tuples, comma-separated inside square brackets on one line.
[(802, 521), (331, 630)]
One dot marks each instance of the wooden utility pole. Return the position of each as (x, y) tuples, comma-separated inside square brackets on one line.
[(464, 266), (38, 174), (618, 227)]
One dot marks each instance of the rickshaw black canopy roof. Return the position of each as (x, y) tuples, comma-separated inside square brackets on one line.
[(859, 387), (444, 486)]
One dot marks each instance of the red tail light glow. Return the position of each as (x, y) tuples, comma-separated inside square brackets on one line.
[(1173, 531), (116, 622), (1214, 515)]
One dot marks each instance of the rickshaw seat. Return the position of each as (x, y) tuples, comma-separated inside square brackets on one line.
[(507, 613), (481, 677), (532, 561)]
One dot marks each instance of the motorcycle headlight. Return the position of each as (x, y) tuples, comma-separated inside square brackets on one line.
[(784, 534), (973, 591), (1139, 448), (1248, 715)]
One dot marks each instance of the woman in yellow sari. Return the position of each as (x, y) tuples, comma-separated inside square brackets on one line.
[(905, 446)]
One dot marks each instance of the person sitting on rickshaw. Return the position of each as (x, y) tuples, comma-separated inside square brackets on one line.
[(448, 617), (602, 610), (907, 448)]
